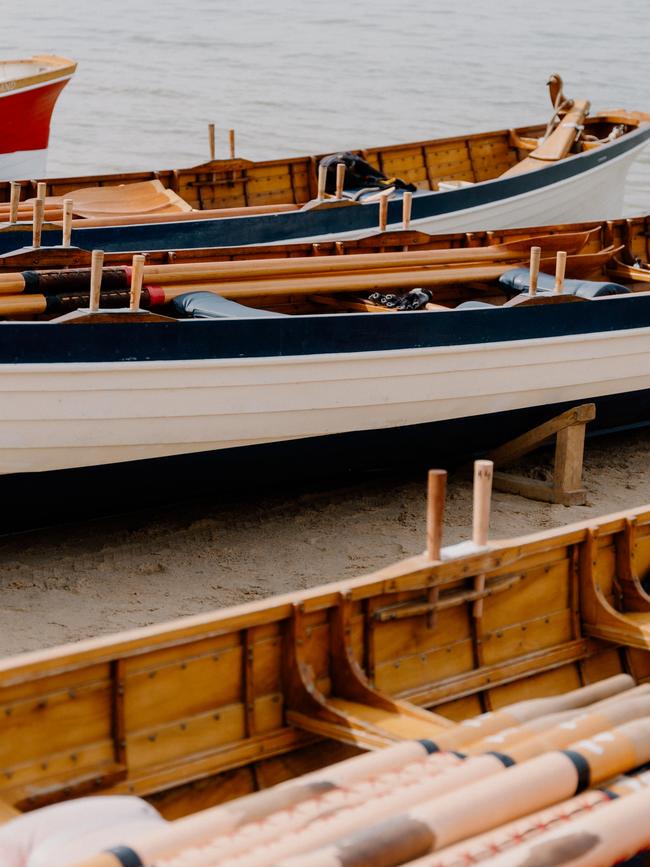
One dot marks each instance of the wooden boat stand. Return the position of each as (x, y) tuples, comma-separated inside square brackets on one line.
[(566, 488)]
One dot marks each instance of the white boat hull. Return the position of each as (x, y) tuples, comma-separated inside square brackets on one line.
[(57, 416)]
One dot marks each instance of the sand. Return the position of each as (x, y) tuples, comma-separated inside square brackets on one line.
[(78, 581)]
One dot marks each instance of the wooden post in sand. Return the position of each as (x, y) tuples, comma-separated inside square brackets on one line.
[(67, 222), (37, 226), (535, 256), (96, 266), (231, 142), (407, 202), (560, 265), (14, 202), (481, 519), (212, 142), (137, 273), (340, 179)]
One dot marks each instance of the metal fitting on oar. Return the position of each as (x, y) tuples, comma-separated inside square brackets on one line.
[(137, 272), (340, 179), (67, 222), (231, 141), (407, 201), (14, 202), (560, 266), (212, 142), (96, 267), (37, 226), (535, 256)]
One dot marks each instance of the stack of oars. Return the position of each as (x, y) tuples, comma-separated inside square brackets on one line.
[(36, 292), (556, 758), (535, 780)]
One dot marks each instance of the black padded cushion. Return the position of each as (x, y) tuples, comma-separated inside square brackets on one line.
[(518, 279), (207, 305)]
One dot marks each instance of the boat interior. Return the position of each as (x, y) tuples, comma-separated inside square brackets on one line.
[(394, 271), (211, 707)]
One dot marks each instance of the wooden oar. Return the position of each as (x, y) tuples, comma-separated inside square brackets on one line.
[(310, 266), (557, 146)]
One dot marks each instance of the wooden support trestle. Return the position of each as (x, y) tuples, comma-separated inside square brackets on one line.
[(569, 432)]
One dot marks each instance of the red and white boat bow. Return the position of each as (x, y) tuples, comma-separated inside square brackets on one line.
[(29, 90)]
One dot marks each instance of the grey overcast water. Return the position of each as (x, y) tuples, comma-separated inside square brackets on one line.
[(297, 76)]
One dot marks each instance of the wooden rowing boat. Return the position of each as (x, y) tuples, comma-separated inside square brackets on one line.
[(194, 713), (295, 365), (570, 169), (29, 90)]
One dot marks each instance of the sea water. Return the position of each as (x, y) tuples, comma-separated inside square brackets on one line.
[(299, 76)]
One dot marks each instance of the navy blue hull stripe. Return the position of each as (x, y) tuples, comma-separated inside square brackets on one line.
[(269, 228), (41, 342)]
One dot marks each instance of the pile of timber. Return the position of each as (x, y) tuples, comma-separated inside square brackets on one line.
[(547, 781), (38, 292)]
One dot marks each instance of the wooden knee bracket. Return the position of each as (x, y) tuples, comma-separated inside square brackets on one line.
[(569, 432), (354, 712), (600, 618)]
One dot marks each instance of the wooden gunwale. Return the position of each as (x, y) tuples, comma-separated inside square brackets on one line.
[(415, 573)]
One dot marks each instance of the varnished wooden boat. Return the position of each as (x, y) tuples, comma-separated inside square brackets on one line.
[(196, 712), (570, 169), (29, 90)]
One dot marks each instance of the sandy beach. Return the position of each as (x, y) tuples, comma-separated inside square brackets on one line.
[(77, 581)]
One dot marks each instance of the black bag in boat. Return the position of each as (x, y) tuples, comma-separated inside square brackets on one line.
[(359, 174), (518, 280)]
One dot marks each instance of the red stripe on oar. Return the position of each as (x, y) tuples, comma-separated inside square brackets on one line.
[(25, 118), (128, 273), (156, 294)]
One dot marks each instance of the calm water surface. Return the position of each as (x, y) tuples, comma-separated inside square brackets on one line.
[(297, 76)]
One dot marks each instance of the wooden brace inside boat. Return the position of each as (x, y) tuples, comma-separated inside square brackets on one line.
[(353, 712)]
